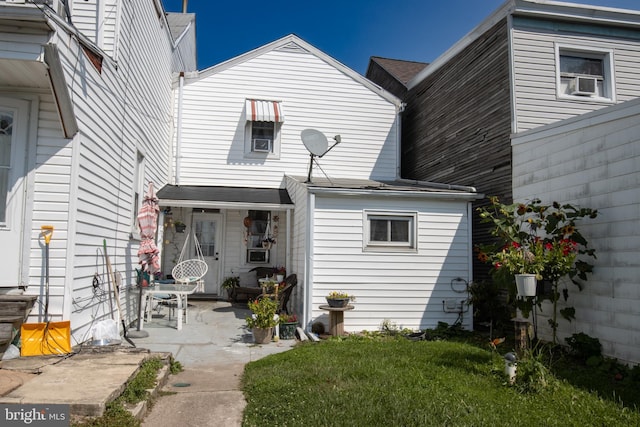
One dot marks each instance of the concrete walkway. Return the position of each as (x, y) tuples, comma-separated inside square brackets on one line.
[(213, 348)]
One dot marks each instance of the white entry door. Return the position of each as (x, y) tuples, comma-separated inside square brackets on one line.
[(13, 153), (207, 231)]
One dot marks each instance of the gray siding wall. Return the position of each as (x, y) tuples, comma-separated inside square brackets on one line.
[(534, 68), (456, 128)]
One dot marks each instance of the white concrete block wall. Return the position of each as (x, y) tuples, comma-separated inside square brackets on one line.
[(593, 161)]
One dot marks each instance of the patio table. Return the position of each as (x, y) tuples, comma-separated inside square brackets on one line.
[(180, 291)]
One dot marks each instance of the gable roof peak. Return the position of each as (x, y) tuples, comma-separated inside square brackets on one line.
[(293, 43)]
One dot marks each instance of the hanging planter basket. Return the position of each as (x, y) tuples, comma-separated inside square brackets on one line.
[(526, 285)]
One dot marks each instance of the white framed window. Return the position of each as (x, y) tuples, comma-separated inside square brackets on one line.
[(584, 74), (262, 130), (390, 231)]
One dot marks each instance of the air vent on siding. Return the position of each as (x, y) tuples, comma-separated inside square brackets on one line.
[(292, 47)]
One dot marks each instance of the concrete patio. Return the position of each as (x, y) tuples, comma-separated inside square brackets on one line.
[(213, 347)]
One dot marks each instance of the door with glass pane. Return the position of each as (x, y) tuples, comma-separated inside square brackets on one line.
[(13, 151), (207, 230)]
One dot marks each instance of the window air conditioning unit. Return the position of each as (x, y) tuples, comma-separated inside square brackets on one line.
[(262, 145), (257, 256), (583, 86)]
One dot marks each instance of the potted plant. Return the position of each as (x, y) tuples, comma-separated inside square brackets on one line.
[(230, 283), (539, 239), (267, 242), (525, 261), (263, 319), (180, 226), (280, 273), (288, 324), (339, 299)]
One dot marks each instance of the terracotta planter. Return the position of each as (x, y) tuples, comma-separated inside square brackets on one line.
[(262, 335), (338, 302), (526, 285)]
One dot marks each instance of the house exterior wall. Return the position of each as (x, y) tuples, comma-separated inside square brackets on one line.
[(84, 185), (593, 161), (313, 93), (184, 57), (99, 21), (407, 288), (457, 123), (534, 68)]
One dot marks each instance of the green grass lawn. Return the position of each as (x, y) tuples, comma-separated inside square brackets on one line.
[(398, 382)]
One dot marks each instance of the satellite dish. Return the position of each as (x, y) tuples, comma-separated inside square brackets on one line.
[(315, 141)]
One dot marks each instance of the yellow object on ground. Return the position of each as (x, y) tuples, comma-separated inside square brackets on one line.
[(45, 338)]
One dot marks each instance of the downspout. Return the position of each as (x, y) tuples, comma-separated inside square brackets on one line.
[(287, 250), (399, 112), (308, 262), (179, 128)]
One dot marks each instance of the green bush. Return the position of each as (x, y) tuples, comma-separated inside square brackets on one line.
[(584, 347)]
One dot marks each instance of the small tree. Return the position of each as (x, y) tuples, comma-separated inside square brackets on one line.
[(542, 238)]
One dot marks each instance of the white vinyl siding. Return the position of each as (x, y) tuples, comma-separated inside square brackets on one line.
[(534, 69), (83, 186), (98, 21), (406, 288), (593, 161), (314, 94)]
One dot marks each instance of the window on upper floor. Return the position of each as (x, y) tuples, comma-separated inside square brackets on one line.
[(584, 74), (390, 231), (262, 131)]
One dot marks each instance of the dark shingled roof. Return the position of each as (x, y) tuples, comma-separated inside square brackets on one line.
[(225, 194), (403, 71)]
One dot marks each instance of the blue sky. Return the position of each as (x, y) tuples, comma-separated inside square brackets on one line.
[(350, 31)]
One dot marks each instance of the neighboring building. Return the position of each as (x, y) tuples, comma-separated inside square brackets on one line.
[(393, 74), (86, 106), (531, 64), (241, 174), (593, 161)]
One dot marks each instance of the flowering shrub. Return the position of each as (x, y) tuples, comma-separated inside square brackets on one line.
[(288, 318), (537, 239), (541, 240), (263, 313)]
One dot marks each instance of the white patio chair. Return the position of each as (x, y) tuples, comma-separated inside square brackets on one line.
[(187, 272)]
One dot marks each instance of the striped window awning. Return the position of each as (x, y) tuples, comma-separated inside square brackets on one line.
[(264, 111)]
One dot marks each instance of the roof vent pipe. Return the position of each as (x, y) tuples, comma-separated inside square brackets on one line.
[(184, 6)]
